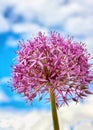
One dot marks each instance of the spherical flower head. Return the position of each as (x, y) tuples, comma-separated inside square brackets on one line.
[(54, 62)]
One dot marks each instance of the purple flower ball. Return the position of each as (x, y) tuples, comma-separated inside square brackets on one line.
[(54, 62)]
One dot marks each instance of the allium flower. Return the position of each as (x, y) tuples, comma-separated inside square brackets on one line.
[(52, 62)]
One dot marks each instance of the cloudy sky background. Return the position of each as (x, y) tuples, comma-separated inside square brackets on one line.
[(22, 20)]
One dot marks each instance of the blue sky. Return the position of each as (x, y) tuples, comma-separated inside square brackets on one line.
[(22, 20)]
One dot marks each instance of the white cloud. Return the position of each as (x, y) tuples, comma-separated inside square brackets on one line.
[(27, 28), (85, 3), (50, 13), (4, 80), (3, 97), (11, 42), (47, 12), (84, 126), (89, 41), (58, 14), (79, 25), (4, 25), (79, 116), (17, 98), (23, 121), (73, 18)]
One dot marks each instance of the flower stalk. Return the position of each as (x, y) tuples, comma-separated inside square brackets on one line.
[(54, 110)]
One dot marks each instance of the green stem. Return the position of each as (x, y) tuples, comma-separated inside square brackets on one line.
[(54, 110)]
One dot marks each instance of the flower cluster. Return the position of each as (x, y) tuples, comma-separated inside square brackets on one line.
[(52, 62)]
